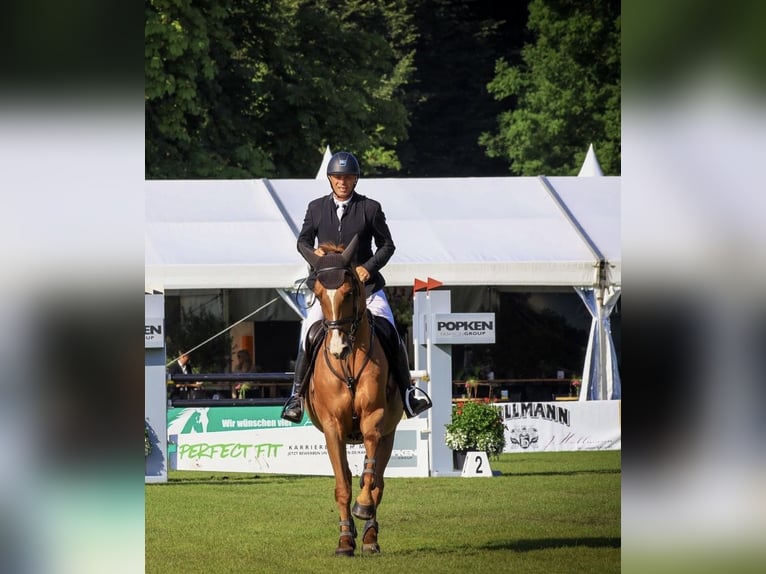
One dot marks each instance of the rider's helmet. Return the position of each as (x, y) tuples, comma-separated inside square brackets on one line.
[(343, 163)]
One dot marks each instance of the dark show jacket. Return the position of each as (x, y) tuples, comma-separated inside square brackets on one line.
[(175, 368), (363, 217)]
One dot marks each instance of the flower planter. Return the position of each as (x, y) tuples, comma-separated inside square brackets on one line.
[(476, 426), (458, 459)]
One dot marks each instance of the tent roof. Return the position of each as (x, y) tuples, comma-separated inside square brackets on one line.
[(520, 231), (217, 234), (590, 166), (322, 171)]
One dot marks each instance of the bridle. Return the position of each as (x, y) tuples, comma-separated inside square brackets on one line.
[(354, 320), (356, 317)]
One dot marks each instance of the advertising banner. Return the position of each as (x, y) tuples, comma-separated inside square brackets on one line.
[(153, 337), (562, 426), (256, 439), (155, 392), (463, 328)]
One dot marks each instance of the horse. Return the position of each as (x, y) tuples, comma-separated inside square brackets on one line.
[(352, 397)]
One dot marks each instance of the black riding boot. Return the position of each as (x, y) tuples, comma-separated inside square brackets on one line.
[(400, 368), (293, 409)]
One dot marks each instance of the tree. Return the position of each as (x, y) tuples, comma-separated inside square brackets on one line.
[(340, 82), (196, 78), (566, 95), (258, 88)]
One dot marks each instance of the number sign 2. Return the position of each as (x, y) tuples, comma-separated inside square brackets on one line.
[(476, 464)]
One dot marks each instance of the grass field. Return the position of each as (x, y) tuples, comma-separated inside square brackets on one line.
[(546, 512)]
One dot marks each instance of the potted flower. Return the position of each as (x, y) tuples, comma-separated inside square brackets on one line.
[(471, 386), (576, 383), (240, 390), (476, 425), (471, 382)]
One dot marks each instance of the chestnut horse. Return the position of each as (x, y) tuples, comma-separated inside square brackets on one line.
[(352, 397)]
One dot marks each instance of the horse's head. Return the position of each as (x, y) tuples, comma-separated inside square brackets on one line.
[(339, 291)]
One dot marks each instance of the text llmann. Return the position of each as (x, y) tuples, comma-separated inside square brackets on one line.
[(465, 325), (552, 413)]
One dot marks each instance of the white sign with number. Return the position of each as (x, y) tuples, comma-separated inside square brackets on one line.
[(476, 464)]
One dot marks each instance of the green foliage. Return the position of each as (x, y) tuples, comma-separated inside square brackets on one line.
[(546, 512), (476, 425), (566, 95), (197, 90), (258, 88)]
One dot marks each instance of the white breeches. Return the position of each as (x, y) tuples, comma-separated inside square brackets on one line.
[(377, 303)]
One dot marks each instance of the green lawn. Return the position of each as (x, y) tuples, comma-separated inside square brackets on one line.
[(545, 512)]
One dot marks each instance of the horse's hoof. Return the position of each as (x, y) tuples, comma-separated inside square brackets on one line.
[(363, 511), (371, 548), (344, 552)]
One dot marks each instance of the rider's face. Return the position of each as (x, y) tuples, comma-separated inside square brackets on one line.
[(343, 185)]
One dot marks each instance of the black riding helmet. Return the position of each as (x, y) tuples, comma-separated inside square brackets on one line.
[(343, 163)]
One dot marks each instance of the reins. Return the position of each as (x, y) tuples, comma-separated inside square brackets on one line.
[(348, 378)]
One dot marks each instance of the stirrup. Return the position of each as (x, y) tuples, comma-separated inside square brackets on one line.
[(413, 405), (293, 409)]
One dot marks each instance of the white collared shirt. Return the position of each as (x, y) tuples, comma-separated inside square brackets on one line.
[(340, 207)]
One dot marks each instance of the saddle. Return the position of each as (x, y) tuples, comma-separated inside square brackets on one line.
[(385, 333)]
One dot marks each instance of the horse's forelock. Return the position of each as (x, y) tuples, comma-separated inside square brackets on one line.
[(329, 247)]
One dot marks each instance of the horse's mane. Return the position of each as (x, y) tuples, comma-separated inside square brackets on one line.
[(330, 247)]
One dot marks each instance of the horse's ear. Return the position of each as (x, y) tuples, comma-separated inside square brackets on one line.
[(349, 251), (308, 255)]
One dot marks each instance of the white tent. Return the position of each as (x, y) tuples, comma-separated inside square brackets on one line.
[(480, 231), (503, 231), (464, 231), (322, 171), (590, 166), (601, 377), (217, 234)]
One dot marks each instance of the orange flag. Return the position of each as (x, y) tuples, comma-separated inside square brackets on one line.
[(433, 284)]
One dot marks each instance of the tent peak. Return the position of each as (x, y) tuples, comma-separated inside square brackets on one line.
[(325, 161), (590, 166)]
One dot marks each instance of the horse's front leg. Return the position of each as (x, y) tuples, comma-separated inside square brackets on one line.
[(383, 455), (364, 506), (371, 528), (336, 449)]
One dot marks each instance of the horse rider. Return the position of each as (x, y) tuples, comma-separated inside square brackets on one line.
[(337, 218)]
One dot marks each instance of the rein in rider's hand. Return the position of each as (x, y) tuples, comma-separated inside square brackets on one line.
[(362, 273)]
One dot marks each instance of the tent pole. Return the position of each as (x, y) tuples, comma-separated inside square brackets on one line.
[(602, 372)]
